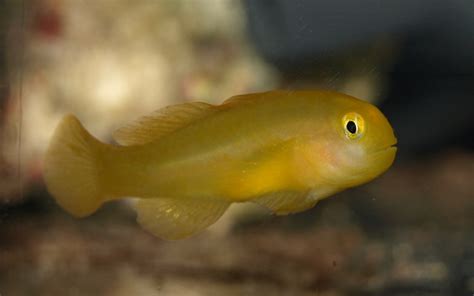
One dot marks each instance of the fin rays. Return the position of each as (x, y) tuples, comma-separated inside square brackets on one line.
[(286, 202), (161, 123), (174, 219)]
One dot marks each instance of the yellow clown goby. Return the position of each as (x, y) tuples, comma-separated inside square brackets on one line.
[(187, 163)]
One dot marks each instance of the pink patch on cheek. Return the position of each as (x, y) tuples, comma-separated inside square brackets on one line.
[(327, 157)]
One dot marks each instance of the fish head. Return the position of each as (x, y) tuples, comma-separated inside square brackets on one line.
[(360, 143)]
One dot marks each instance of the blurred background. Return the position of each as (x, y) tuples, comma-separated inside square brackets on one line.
[(410, 232)]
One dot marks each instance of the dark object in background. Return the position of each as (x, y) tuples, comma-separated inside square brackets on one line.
[(430, 98)]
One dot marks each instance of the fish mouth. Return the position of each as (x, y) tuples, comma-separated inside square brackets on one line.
[(389, 147), (393, 145)]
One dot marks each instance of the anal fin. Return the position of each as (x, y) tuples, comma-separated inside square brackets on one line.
[(286, 202), (173, 219)]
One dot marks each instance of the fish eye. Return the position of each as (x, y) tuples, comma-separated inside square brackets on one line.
[(351, 126), (354, 125)]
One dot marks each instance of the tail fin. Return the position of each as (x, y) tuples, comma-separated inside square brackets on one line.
[(70, 168)]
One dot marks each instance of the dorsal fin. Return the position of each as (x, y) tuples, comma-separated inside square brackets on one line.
[(249, 98), (161, 122), (239, 99)]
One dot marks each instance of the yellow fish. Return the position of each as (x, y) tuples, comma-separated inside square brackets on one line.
[(188, 163)]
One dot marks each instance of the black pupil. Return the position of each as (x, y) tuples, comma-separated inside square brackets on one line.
[(351, 127)]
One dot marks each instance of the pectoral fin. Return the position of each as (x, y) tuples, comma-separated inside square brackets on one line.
[(286, 202), (173, 219)]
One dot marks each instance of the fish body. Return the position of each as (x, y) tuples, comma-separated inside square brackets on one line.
[(187, 163)]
